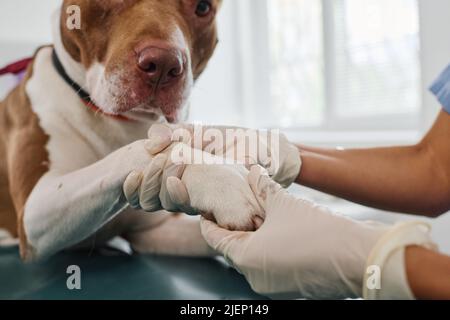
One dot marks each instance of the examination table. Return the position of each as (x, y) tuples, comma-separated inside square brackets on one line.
[(120, 276)]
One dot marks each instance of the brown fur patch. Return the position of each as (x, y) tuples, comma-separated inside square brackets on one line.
[(24, 160)]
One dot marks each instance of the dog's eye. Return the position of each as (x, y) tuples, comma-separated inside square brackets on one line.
[(203, 8)]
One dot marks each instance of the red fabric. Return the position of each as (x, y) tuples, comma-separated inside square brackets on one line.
[(16, 67)]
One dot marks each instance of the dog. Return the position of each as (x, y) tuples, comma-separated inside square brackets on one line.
[(75, 127)]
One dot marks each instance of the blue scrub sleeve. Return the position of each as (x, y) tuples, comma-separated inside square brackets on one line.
[(441, 89)]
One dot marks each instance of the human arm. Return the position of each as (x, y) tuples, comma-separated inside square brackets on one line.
[(414, 179), (428, 273)]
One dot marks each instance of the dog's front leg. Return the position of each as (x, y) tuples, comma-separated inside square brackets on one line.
[(65, 209)]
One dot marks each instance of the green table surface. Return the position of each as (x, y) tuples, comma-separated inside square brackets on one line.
[(120, 276)]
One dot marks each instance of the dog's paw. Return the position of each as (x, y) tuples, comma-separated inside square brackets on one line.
[(222, 193)]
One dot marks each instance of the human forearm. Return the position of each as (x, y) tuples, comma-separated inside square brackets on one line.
[(401, 179), (428, 273), (413, 179)]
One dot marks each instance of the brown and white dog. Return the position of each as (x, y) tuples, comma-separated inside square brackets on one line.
[(72, 130)]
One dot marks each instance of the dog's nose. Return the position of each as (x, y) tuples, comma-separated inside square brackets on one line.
[(161, 65)]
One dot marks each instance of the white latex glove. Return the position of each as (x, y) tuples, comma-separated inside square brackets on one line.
[(145, 190), (219, 191), (305, 251), (270, 150), (142, 188)]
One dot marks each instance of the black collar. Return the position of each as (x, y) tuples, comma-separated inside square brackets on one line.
[(85, 97), (75, 86)]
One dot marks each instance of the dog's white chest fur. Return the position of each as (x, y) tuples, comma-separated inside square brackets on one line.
[(77, 135)]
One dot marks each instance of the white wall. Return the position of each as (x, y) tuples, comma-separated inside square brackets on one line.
[(24, 25), (216, 97), (26, 21), (221, 95)]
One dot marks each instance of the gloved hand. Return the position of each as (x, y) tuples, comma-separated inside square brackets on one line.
[(222, 191), (147, 189), (303, 250), (269, 149), (142, 189)]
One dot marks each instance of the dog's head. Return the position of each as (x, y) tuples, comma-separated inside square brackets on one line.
[(140, 55)]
